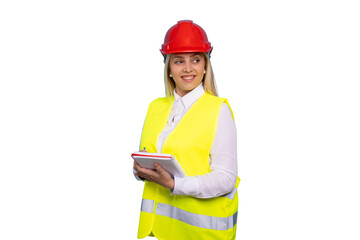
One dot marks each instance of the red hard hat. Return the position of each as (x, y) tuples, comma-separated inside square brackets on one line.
[(185, 36)]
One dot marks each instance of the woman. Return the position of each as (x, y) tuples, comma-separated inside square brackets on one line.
[(197, 127)]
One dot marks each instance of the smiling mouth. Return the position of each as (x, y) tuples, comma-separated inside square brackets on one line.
[(188, 78)]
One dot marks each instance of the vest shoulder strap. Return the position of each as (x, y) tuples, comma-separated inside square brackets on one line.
[(160, 104)]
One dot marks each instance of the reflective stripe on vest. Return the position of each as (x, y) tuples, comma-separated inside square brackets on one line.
[(231, 194), (147, 205), (198, 220)]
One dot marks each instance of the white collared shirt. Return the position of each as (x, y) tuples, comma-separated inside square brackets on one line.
[(180, 106), (223, 154)]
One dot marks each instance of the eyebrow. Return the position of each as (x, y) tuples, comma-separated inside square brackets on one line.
[(178, 56)]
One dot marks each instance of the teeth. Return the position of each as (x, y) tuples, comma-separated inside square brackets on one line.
[(188, 78)]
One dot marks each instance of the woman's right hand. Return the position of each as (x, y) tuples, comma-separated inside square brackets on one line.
[(158, 175)]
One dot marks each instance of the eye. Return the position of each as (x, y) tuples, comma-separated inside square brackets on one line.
[(178, 61), (196, 60)]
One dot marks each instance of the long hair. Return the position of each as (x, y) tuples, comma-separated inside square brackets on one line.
[(208, 80)]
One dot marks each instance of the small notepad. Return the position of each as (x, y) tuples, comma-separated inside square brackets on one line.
[(166, 161)]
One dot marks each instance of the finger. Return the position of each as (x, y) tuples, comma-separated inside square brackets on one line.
[(136, 166), (158, 167), (140, 173), (150, 174), (160, 170), (146, 177)]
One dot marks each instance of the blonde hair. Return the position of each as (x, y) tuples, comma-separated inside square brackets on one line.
[(208, 81)]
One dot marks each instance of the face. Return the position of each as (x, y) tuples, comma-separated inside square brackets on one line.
[(187, 71)]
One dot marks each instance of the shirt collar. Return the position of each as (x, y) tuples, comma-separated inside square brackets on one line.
[(191, 97)]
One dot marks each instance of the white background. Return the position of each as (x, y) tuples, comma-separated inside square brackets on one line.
[(76, 80)]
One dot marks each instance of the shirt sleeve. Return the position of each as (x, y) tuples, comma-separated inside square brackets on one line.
[(223, 163), (137, 177)]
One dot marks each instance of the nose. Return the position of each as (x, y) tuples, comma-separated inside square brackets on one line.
[(187, 67)]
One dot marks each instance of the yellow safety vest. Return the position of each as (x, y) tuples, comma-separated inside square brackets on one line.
[(184, 217)]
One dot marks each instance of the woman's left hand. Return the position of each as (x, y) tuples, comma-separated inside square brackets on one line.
[(159, 175)]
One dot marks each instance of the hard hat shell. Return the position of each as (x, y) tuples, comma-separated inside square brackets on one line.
[(185, 36)]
